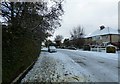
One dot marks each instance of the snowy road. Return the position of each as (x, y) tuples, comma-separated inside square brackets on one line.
[(74, 66), (103, 66)]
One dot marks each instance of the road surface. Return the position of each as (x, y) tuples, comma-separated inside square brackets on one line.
[(74, 66), (104, 69)]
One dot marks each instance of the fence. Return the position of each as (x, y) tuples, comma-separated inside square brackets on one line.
[(98, 49)]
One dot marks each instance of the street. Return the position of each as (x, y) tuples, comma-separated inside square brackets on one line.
[(74, 66), (103, 69)]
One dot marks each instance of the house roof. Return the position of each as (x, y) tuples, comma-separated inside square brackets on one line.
[(105, 31)]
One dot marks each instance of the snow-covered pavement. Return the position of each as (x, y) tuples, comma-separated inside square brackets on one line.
[(74, 66)]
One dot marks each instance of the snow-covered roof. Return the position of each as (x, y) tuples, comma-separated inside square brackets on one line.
[(105, 31)]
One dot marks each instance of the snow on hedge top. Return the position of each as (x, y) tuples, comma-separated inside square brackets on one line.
[(104, 31)]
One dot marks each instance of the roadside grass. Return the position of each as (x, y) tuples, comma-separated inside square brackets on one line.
[(16, 57)]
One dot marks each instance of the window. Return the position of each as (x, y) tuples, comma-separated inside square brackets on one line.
[(97, 37)]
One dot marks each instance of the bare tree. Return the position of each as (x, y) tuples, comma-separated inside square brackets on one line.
[(77, 35), (77, 32), (58, 39)]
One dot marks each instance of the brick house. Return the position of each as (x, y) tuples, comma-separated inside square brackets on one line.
[(103, 36)]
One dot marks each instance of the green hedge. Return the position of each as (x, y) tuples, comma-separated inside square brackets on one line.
[(17, 56)]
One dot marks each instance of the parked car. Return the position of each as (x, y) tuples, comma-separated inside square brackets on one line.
[(72, 48), (52, 49), (63, 47)]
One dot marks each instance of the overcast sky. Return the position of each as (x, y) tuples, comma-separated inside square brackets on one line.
[(88, 13)]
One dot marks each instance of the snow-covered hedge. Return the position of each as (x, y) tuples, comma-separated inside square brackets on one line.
[(111, 49)]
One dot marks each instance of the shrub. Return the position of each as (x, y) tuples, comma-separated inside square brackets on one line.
[(86, 47), (110, 49)]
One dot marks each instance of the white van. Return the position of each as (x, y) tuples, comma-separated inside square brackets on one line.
[(52, 49)]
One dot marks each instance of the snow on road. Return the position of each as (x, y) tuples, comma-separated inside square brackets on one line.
[(73, 66), (103, 66)]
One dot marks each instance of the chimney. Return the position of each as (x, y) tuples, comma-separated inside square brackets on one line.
[(102, 27)]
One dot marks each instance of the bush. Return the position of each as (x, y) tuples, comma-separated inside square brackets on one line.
[(17, 55), (110, 49), (86, 47)]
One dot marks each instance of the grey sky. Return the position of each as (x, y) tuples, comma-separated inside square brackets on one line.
[(88, 13)]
